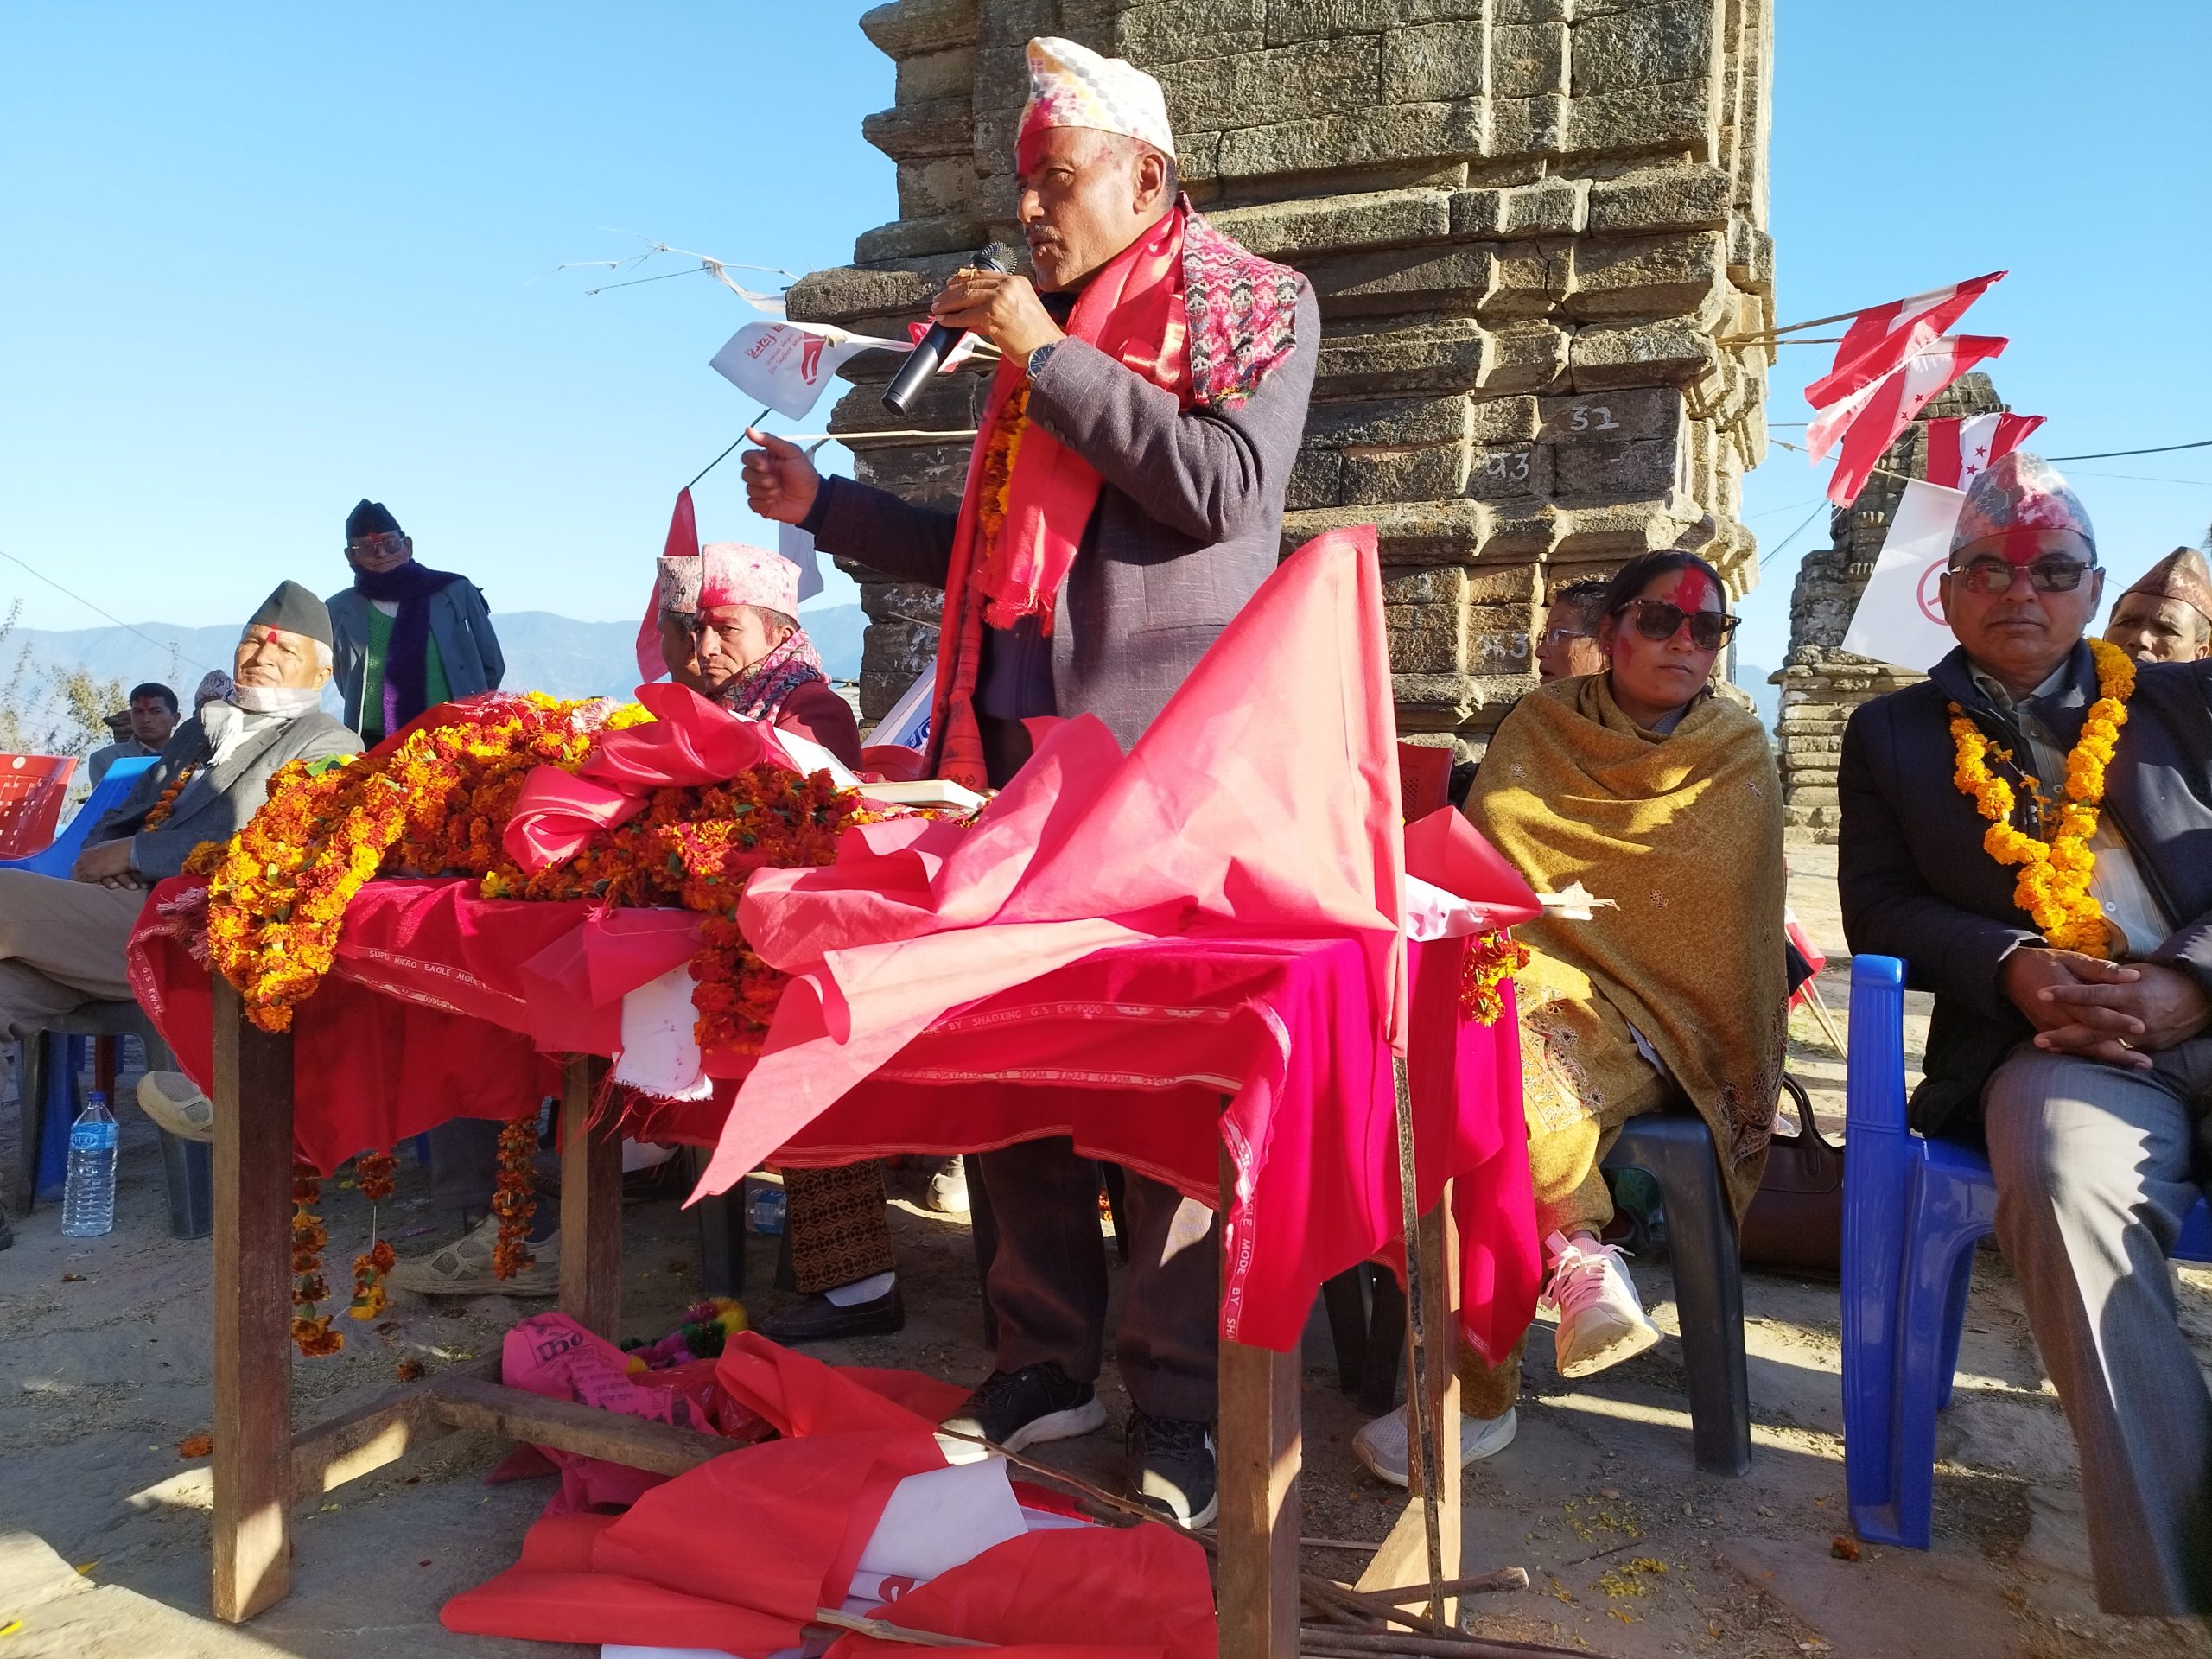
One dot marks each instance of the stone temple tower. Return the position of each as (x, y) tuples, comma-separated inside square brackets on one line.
[(1820, 681), (1537, 229)]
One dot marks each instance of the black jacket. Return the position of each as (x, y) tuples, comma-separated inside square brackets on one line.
[(1916, 883)]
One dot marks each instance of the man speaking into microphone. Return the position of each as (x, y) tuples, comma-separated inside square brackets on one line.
[(1124, 498)]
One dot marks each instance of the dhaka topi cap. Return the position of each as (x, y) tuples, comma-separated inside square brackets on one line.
[(734, 573), (214, 686), (371, 518), (1072, 85), (2017, 495), (293, 609), (2181, 574)]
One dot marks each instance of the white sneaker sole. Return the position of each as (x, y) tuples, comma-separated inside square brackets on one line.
[(1067, 1425), (1206, 1518), (1486, 1442), (1626, 1343)]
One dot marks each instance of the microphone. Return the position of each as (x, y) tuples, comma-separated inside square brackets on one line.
[(928, 356)]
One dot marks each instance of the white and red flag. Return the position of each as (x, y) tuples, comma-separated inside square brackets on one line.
[(1882, 337), (1868, 421), (1960, 447)]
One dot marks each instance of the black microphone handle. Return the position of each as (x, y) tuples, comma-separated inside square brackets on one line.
[(921, 363), (930, 353)]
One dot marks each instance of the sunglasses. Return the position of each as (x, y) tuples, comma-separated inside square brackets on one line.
[(1656, 619), (1990, 577)]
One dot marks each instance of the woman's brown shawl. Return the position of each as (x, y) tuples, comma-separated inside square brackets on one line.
[(1684, 833)]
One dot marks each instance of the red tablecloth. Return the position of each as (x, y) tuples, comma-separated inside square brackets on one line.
[(443, 1004)]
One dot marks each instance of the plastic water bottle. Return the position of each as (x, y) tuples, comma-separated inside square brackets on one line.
[(765, 1210), (88, 1196)]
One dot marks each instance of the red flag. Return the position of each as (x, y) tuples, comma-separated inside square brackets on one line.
[(1869, 420), (682, 542), (1881, 338), (1961, 447)]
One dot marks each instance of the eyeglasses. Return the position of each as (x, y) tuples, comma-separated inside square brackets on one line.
[(1990, 577), (375, 545), (1656, 619), (1561, 636)]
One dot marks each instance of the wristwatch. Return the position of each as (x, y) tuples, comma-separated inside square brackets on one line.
[(1038, 358)]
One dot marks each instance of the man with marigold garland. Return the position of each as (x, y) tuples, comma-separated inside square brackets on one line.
[(62, 941), (2026, 830), (1123, 500)]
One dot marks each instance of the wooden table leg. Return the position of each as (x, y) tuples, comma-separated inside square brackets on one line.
[(253, 1311), (591, 1204), (1258, 1449), (1403, 1557)]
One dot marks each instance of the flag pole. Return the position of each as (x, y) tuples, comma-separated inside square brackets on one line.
[(764, 413)]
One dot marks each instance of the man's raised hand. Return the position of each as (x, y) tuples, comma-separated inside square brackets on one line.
[(780, 482), (1002, 308)]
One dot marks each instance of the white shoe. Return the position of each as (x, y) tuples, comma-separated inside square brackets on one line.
[(175, 1104), (1601, 1320), (948, 1189), (1382, 1444), (464, 1268)]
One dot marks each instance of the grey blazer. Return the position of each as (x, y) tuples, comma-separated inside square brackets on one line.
[(1188, 525), (216, 804), (460, 627)]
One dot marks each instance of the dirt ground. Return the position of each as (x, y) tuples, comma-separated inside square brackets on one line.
[(104, 1535)]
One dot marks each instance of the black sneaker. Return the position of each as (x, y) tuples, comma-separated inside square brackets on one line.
[(1016, 1409), (1172, 1467), (816, 1318)]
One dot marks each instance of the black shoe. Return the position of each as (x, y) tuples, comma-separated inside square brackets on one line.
[(1172, 1467), (7, 1233), (819, 1320), (1016, 1409)]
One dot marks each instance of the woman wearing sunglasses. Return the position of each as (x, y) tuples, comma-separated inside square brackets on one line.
[(1662, 799)]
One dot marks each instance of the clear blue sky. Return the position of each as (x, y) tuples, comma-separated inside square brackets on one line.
[(263, 260)]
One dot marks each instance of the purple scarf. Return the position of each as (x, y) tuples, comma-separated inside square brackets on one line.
[(759, 691), (407, 657)]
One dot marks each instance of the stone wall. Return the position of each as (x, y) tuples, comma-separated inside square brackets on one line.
[(1531, 225), (1822, 682)]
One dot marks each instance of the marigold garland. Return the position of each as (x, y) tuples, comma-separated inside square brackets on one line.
[(997, 484), (373, 1174), (158, 813), (514, 1197), (311, 1331), (1492, 958), (2053, 885)]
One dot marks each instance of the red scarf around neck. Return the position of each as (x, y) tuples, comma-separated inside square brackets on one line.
[(1182, 297)]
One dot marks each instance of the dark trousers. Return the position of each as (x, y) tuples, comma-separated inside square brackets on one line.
[(1047, 1280)]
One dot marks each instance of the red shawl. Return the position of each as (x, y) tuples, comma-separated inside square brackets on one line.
[(1189, 310)]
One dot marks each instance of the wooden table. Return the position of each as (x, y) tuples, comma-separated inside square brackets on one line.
[(265, 1465)]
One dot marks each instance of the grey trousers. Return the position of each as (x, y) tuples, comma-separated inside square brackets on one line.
[(62, 945), (1047, 1281), (2096, 1169)]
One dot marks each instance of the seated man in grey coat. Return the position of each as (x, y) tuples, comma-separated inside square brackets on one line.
[(2073, 1029), (1125, 500), (63, 939)]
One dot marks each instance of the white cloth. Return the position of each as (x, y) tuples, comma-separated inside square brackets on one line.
[(229, 724), (286, 701)]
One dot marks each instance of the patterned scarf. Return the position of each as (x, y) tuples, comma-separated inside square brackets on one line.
[(758, 692), (1183, 307)]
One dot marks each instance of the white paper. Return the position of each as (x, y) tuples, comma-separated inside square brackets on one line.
[(908, 722), (660, 1049), (786, 364), (1900, 616), (937, 1521), (797, 546)]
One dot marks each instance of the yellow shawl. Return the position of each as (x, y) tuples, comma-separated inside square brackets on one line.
[(1684, 834)]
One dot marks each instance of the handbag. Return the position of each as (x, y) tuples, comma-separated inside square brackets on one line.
[(1795, 1218)]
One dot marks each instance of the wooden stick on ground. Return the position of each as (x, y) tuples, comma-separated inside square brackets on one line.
[(829, 1619), (1506, 1578), (1354, 1644)]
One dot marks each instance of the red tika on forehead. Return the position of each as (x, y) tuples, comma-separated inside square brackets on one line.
[(1691, 589), (2023, 544)]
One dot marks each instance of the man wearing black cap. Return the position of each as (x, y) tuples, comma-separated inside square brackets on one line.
[(408, 637), (62, 941)]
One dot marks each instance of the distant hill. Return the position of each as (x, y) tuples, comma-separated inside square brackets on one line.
[(555, 654)]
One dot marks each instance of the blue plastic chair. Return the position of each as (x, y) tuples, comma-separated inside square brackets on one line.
[(1913, 1211), (60, 855)]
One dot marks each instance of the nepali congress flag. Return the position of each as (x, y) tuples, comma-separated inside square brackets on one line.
[(1882, 337), (1900, 616), (786, 364), (1961, 448), (1868, 421)]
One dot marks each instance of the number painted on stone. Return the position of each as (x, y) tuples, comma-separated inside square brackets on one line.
[(1514, 466), (1592, 417)]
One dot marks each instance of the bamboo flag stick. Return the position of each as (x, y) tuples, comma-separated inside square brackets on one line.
[(830, 1619)]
